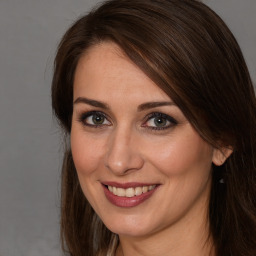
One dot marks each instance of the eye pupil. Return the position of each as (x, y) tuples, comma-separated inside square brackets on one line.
[(159, 121), (98, 119)]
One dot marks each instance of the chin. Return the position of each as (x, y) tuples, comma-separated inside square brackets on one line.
[(129, 226)]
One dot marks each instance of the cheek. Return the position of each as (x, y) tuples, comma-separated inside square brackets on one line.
[(87, 155), (182, 155), (86, 152)]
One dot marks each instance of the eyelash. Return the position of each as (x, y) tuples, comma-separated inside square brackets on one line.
[(82, 118), (172, 122)]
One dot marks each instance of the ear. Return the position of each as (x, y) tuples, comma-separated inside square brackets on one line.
[(220, 155)]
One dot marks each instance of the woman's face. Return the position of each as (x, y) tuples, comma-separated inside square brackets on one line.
[(140, 163)]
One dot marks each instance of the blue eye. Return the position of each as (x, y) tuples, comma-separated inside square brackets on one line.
[(159, 121), (94, 118)]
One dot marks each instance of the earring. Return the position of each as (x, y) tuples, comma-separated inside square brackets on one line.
[(221, 181)]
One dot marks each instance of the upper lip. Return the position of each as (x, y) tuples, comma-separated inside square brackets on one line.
[(127, 184)]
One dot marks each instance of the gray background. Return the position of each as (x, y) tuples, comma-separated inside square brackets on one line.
[(30, 148)]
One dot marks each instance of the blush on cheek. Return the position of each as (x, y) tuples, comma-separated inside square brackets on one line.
[(177, 159), (84, 163), (86, 155)]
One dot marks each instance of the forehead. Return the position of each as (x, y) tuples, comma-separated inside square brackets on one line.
[(104, 70)]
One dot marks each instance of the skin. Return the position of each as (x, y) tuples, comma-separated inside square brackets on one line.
[(126, 147)]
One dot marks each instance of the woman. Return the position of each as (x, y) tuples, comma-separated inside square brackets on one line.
[(159, 113)]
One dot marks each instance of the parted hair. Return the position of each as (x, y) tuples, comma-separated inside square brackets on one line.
[(189, 52)]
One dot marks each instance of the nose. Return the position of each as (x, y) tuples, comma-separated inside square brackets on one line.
[(123, 154)]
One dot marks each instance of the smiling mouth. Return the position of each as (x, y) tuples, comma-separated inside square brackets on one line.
[(130, 192)]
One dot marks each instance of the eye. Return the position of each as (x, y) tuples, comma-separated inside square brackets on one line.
[(94, 118), (159, 121)]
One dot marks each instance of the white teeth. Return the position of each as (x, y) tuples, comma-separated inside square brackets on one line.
[(138, 191), (145, 189), (120, 192), (130, 192), (115, 191)]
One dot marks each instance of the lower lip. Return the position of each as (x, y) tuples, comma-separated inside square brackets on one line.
[(121, 201)]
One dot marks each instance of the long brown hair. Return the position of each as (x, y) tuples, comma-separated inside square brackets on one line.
[(188, 51)]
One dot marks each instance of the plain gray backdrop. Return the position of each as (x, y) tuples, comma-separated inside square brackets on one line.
[(30, 145)]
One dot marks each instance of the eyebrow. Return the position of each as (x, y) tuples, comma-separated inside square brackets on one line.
[(141, 107), (93, 103), (149, 105)]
